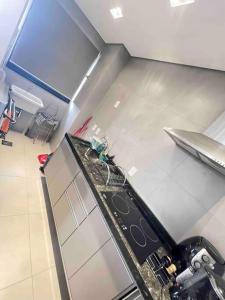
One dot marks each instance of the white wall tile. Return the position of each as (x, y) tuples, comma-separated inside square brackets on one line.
[(175, 208), (207, 185), (153, 95), (210, 228)]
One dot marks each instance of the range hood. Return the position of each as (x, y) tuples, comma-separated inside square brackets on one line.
[(201, 146)]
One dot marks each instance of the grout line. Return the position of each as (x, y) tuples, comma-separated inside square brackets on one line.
[(29, 224), (19, 215), (29, 277), (7, 175), (15, 283), (199, 201), (43, 271), (90, 257), (30, 250), (22, 214)]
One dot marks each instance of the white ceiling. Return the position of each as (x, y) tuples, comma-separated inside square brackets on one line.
[(191, 34)]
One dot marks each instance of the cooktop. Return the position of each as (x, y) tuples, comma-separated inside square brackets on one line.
[(138, 232)]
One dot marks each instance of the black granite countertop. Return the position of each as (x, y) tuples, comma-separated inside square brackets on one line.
[(143, 275)]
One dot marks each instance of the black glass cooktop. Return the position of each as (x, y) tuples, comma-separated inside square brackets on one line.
[(139, 234)]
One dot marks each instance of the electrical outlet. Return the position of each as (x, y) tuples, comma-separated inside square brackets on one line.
[(117, 103), (132, 171), (94, 127), (97, 131)]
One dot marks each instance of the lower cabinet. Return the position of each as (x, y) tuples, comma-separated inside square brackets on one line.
[(103, 277), (64, 218), (88, 238), (85, 192), (60, 171), (53, 166), (94, 268), (76, 203)]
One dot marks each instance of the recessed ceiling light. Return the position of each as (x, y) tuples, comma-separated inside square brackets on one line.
[(116, 12), (175, 3)]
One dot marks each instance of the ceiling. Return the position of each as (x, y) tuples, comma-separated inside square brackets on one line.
[(191, 34)]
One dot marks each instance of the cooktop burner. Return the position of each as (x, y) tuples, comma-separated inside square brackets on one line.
[(139, 234)]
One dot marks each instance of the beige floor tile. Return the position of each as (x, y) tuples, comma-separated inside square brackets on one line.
[(20, 291), (31, 153), (14, 198), (37, 148), (46, 286), (41, 249), (32, 166), (15, 262), (26, 246), (12, 163), (35, 198), (18, 140)]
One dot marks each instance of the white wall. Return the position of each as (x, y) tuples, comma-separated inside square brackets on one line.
[(10, 14), (113, 59), (188, 34), (83, 23), (187, 196)]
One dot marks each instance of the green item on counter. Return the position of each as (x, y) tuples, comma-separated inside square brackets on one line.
[(103, 157), (98, 145)]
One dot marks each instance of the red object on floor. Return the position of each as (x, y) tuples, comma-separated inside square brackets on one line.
[(42, 158)]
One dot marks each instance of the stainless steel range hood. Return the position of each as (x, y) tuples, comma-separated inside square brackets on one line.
[(201, 146)]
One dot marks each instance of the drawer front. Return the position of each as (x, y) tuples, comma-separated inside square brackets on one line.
[(64, 219), (84, 242), (103, 277), (85, 193), (76, 203)]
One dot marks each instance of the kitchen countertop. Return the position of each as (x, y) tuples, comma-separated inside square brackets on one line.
[(143, 275)]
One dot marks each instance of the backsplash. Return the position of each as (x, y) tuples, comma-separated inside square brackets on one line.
[(186, 195)]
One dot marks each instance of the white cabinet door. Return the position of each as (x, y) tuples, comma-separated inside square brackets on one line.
[(64, 219), (88, 238), (76, 203), (53, 165), (85, 193), (103, 277), (60, 171), (69, 158)]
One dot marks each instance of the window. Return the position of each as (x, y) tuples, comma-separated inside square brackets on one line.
[(52, 51)]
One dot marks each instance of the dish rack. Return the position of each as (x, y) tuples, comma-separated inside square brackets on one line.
[(42, 127)]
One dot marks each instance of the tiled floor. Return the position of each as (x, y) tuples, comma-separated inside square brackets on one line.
[(27, 266)]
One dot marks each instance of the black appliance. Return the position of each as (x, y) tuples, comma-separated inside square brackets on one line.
[(201, 270), (139, 234)]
